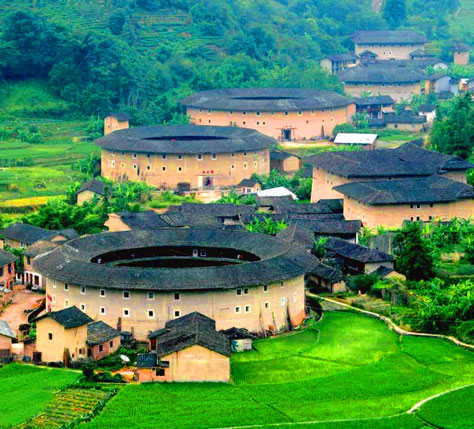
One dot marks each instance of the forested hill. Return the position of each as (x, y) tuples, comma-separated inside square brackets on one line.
[(143, 55)]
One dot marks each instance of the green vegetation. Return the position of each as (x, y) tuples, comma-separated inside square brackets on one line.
[(347, 366), (27, 389)]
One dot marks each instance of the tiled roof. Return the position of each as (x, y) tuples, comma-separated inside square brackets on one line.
[(248, 183), (280, 155), (40, 247), (342, 57), (70, 317), (355, 252), (99, 332), (6, 258), (298, 235), (378, 74), (375, 100), (404, 118), (329, 227), (27, 234), (121, 116), (327, 273), (398, 37), (432, 189), (266, 99), (185, 139), (143, 220), (95, 186), (5, 329), (427, 107)]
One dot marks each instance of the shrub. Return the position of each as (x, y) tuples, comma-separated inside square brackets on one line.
[(362, 283)]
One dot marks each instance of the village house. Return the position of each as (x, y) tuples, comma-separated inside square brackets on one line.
[(205, 157), (6, 296), (389, 44), (22, 235), (116, 121), (345, 229), (408, 161), (437, 82), (126, 221), (284, 162), (7, 269), (187, 349), (364, 141), (429, 111), (330, 278), (466, 84), (374, 106), (240, 339), (248, 186), (30, 276), (336, 63), (89, 190), (398, 82), (392, 202), (102, 340), (281, 113), (461, 54), (6, 338), (356, 259), (404, 121)]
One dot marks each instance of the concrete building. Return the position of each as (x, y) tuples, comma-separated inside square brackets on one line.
[(339, 62), (281, 113), (7, 269), (389, 44), (398, 82), (116, 121), (331, 169), (392, 202), (206, 157), (188, 349), (89, 190), (147, 278)]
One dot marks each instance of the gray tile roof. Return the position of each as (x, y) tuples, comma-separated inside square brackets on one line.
[(404, 118), (249, 183), (266, 99), (396, 37), (99, 332), (380, 74), (432, 189), (40, 247), (327, 273), (121, 116), (298, 235), (95, 186), (27, 234), (5, 330), (375, 100), (280, 155), (6, 258), (342, 57), (185, 139), (329, 227), (70, 317), (355, 252), (143, 220)]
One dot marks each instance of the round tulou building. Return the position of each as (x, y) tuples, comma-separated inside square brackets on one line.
[(204, 157), (281, 113), (138, 280)]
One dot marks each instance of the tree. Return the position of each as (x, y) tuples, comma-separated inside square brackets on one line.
[(394, 12), (117, 20), (453, 132), (413, 254)]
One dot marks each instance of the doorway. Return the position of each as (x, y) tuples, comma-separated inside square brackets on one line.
[(286, 133)]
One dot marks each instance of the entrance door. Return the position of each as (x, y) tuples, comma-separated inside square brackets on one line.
[(208, 182), (286, 133)]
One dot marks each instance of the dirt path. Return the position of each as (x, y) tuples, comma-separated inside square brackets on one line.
[(22, 300)]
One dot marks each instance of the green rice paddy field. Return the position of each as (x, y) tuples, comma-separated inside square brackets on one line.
[(346, 367)]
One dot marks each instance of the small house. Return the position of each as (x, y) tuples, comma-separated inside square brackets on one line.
[(336, 63), (240, 339), (330, 278), (460, 54), (7, 269), (6, 296), (127, 221), (102, 340), (429, 111), (6, 339), (89, 190), (405, 121), (365, 141), (437, 82), (22, 235), (284, 162), (374, 106), (31, 277), (188, 349), (248, 186), (116, 121)]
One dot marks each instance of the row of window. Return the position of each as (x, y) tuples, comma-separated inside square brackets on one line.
[(200, 156), (418, 206), (179, 168), (257, 113)]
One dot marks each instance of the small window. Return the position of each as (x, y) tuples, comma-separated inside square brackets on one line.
[(265, 288), (126, 294), (418, 206), (66, 303), (54, 283), (238, 309), (151, 296), (54, 299), (282, 284), (245, 153), (203, 253), (163, 168), (177, 313), (122, 164), (248, 309), (163, 156), (102, 293), (151, 314), (66, 286), (160, 372), (431, 204), (238, 292), (148, 167), (214, 156), (300, 112), (111, 343), (102, 310), (112, 163), (244, 113), (180, 169), (148, 155), (232, 166), (246, 291), (50, 335), (126, 312), (123, 153), (180, 156), (232, 155), (283, 301), (295, 296), (255, 164), (82, 307), (267, 305), (101, 348), (134, 166), (245, 165), (257, 113), (286, 113), (83, 290), (199, 156), (134, 156), (177, 296)]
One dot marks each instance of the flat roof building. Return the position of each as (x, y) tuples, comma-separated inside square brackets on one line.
[(281, 113), (207, 157)]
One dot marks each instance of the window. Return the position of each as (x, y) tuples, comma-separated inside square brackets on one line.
[(163, 156), (245, 165), (209, 111), (101, 348), (54, 299), (282, 284), (232, 166), (151, 314), (332, 119), (148, 167), (245, 153), (238, 292), (151, 296), (244, 122), (267, 305), (255, 164), (246, 291), (126, 294), (66, 303), (122, 164), (134, 156), (54, 283), (177, 296), (123, 153), (66, 286), (160, 372), (300, 112), (283, 301), (237, 309), (232, 155), (214, 156), (83, 290), (244, 113), (199, 156), (286, 113), (418, 206), (265, 288), (248, 309), (134, 166), (111, 343), (257, 113), (102, 310), (258, 122), (177, 313), (295, 297), (148, 155), (50, 335), (180, 169), (180, 156), (431, 204), (203, 253), (163, 168), (126, 312), (112, 163), (82, 307), (102, 293)]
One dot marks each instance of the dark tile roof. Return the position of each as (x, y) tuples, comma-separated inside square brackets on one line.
[(248, 183), (427, 107), (408, 160), (375, 100), (143, 220), (419, 53), (95, 186), (462, 47), (174, 219), (329, 227), (437, 76), (280, 155), (432, 189), (27, 234), (238, 334), (189, 330), (342, 57), (336, 205), (6, 258), (185, 139), (218, 210), (396, 37), (355, 252), (327, 273), (298, 235), (5, 330), (282, 202), (404, 118), (40, 247), (71, 262), (266, 99), (70, 317), (368, 53), (121, 116), (378, 74), (99, 332), (69, 233), (383, 271)]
